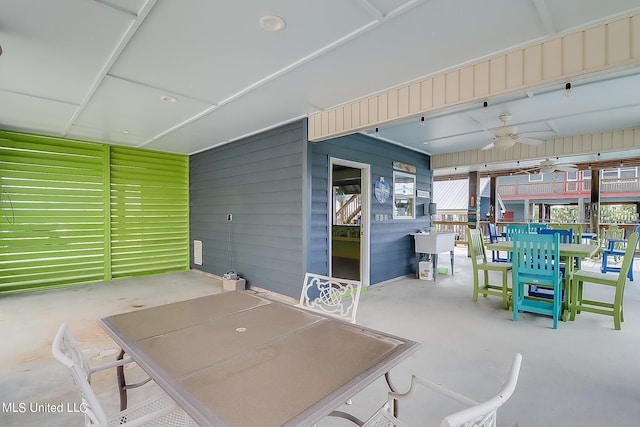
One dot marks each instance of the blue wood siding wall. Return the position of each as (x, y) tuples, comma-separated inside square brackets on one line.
[(259, 180), (392, 249)]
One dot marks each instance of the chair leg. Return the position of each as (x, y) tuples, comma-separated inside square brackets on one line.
[(516, 296), (485, 285), (121, 383), (603, 268), (505, 294), (575, 300), (475, 286), (617, 308)]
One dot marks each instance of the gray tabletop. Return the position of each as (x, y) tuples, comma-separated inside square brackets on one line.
[(241, 360)]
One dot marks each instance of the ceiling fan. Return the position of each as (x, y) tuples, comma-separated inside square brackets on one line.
[(549, 166), (507, 136)]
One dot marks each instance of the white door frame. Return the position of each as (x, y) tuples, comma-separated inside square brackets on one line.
[(365, 220)]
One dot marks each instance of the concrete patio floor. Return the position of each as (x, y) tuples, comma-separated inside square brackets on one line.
[(583, 374)]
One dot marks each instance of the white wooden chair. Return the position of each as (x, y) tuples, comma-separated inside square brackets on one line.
[(331, 295), (476, 415), (157, 411)]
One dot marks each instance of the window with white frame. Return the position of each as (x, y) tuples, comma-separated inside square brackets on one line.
[(404, 196), (619, 173), (535, 177)]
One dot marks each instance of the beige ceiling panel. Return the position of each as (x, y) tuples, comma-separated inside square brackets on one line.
[(364, 113), (347, 114), (579, 144), (383, 106), (572, 53), (619, 40), (355, 115), (607, 140), (507, 74), (629, 136), (595, 48), (635, 31), (439, 90), (403, 101), (373, 109), (339, 119), (332, 121), (498, 74), (414, 98), (585, 143), (552, 59), (392, 104), (325, 122), (426, 94), (533, 65), (515, 73), (452, 90), (481, 79), (466, 83)]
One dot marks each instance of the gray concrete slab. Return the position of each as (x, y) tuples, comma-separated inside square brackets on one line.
[(583, 374)]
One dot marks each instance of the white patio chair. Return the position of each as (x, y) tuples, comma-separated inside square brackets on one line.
[(331, 295), (156, 411), (476, 415)]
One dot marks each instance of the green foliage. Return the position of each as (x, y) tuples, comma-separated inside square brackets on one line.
[(609, 214)]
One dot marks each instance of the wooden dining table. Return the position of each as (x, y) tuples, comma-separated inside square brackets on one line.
[(239, 359), (568, 251)]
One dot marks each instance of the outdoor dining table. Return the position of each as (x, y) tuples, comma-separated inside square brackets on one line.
[(239, 359), (568, 251)]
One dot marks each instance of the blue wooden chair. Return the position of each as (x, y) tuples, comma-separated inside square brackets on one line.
[(493, 238), (617, 251), (534, 263)]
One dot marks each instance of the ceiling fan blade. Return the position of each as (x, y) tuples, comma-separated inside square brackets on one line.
[(539, 134), (530, 141), (488, 146), (567, 168)]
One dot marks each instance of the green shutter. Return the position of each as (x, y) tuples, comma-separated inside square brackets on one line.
[(75, 212), (149, 212), (53, 221)]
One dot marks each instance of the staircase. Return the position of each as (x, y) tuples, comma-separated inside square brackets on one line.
[(349, 210)]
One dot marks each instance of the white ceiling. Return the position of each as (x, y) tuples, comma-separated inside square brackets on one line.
[(97, 69)]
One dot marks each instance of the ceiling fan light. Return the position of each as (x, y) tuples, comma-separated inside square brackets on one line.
[(547, 169), (272, 23)]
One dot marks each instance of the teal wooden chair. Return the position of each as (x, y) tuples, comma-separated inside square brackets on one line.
[(618, 281), (479, 261), (565, 236), (534, 265), (512, 230), (534, 227)]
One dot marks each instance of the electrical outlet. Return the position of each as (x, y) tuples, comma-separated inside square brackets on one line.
[(229, 217)]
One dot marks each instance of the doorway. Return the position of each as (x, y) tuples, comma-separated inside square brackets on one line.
[(349, 218)]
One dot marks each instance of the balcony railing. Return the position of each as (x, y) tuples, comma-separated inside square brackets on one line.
[(569, 188)]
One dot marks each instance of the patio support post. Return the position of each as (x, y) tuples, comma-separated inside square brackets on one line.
[(595, 202), (474, 200), (493, 200), (473, 209)]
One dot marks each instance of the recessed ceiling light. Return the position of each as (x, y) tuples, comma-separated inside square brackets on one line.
[(272, 23), (126, 132), (169, 99)]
